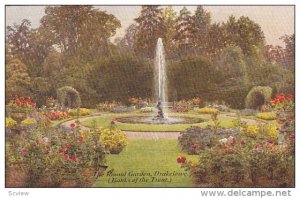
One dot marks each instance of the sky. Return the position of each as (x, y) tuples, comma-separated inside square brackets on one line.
[(275, 21)]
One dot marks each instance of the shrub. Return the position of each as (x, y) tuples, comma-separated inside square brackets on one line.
[(146, 109), (20, 104), (222, 165), (258, 96), (51, 158), (79, 112), (68, 97), (251, 131), (208, 110), (113, 139), (266, 116), (233, 163), (29, 122), (195, 138), (272, 132), (9, 122), (247, 112)]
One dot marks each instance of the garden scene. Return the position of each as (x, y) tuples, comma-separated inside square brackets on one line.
[(178, 100)]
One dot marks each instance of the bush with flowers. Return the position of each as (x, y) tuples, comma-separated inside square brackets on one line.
[(46, 158), (195, 138), (146, 109), (79, 112), (283, 102), (208, 110), (57, 115), (9, 122), (266, 116), (29, 122), (114, 140), (20, 104), (242, 162)]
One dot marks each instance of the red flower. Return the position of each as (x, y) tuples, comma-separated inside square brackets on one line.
[(72, 125), (61, 151), (74, 158), (47, 152), (16, 96), (66, 156), (22, 98), (18, 103), (270, 141), (231, 152), (23, 152), (80, 138), (243, 142), (67, 145), (181, 159), (49, 121)]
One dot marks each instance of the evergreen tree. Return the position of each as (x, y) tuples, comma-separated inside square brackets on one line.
[(202, 21), (184, 35), (169, 17), (150, 27)]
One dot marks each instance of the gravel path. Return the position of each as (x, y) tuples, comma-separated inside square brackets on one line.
[(148, 134)]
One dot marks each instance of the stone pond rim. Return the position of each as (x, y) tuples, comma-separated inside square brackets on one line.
[(167, 121)]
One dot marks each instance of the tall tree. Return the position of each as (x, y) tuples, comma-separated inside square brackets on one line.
[(184, 35), (150, 27), (202, 21), (80, 30), (169, 18), (127, 42), (17, 79), (245, 33), (289, 50), (18, 40)]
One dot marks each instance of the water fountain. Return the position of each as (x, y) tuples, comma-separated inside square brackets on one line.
[(161, 76), (161, 97)]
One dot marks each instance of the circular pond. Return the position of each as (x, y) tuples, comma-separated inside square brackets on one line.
[(153, 120)]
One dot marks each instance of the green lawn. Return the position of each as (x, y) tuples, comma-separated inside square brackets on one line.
[(104, 121), (146, 156)]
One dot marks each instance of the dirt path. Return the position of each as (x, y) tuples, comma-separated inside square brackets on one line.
[(148, 134)]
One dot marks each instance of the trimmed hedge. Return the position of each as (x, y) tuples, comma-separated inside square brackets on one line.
[(258, 96)]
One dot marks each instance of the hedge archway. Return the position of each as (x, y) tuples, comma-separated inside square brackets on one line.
[(68, 97)]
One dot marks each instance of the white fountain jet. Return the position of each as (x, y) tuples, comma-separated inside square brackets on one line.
[(161, 77)]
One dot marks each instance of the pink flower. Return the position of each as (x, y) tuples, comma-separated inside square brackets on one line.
[(74, 158), (66, 156), (61, 151), (23, 152)]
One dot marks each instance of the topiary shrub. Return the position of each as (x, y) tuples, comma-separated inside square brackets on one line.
[(258, 96), (68, 97)]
